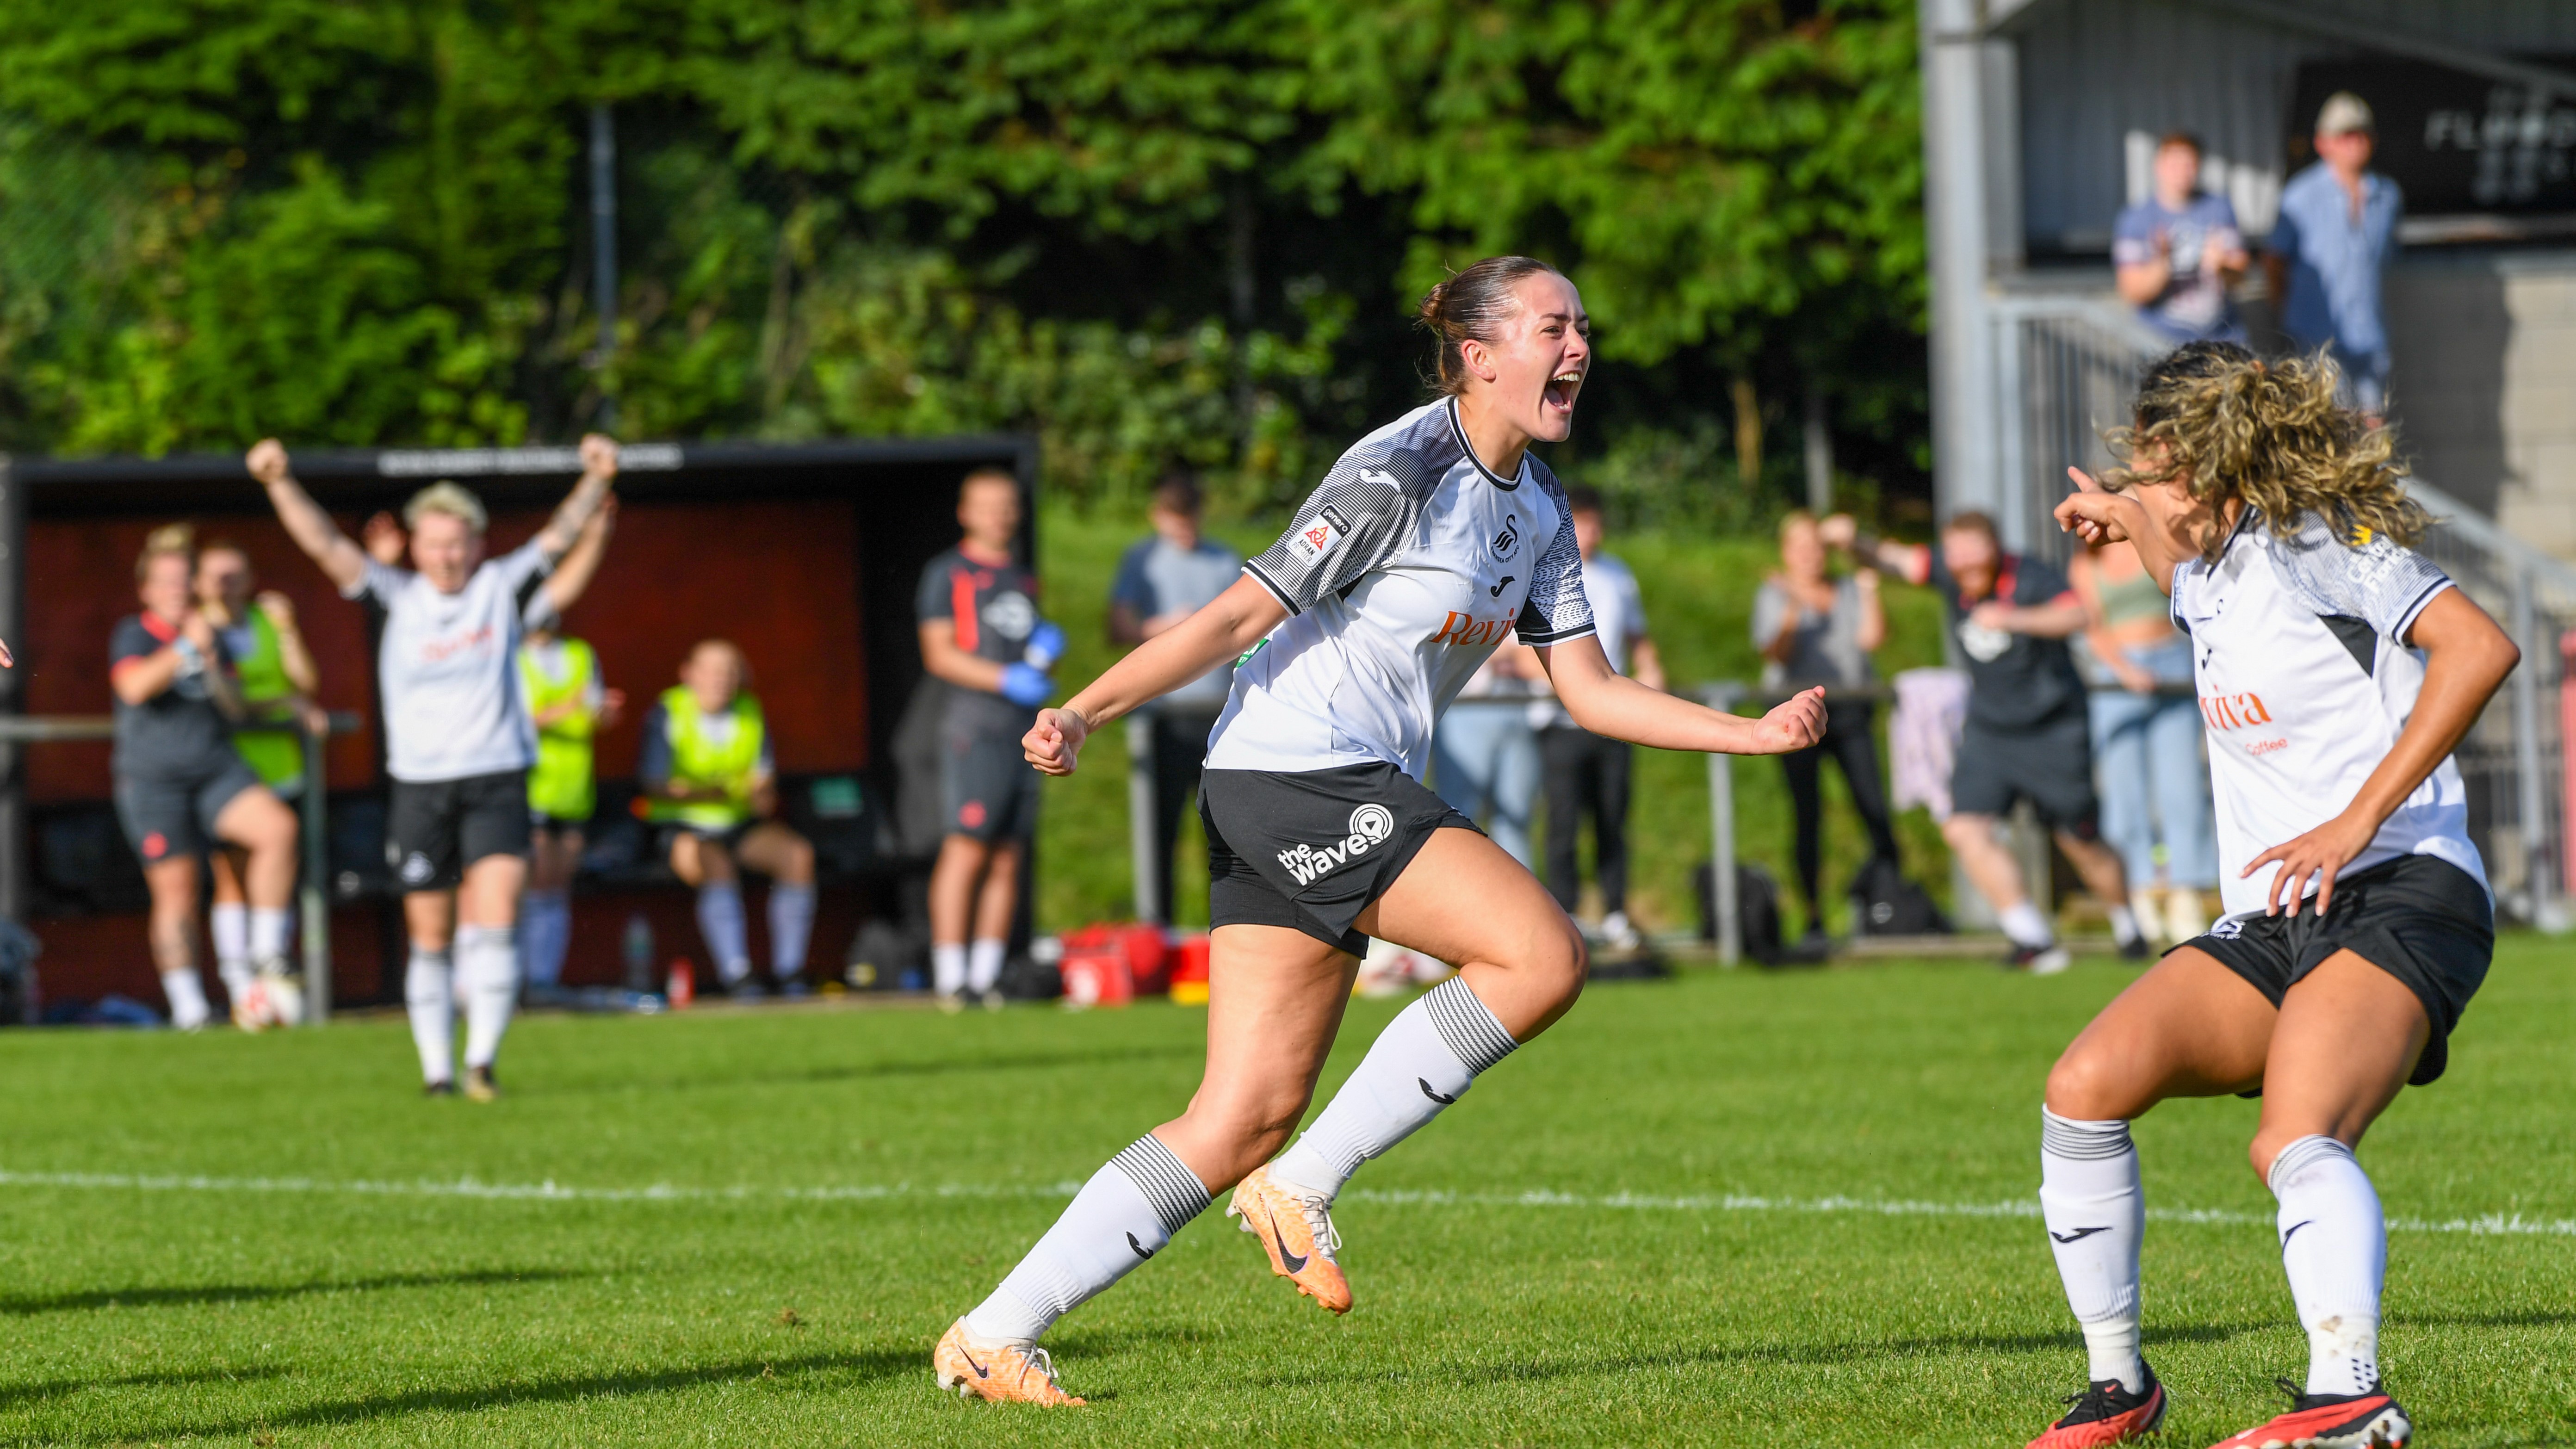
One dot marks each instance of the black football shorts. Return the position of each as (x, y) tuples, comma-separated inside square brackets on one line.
[(1309, 849), (2421, 920), (434, 829)]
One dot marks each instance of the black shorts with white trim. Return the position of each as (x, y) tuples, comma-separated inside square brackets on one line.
[(435, 829), (1310, 849), (2424, 921)]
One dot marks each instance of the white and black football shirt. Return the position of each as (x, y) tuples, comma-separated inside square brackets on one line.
[(1402, 572), (2304, 687)]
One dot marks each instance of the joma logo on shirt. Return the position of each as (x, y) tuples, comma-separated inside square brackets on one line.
[(2234, 711), (1468, 629)]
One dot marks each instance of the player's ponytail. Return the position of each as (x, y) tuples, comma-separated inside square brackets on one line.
[(2233, 426), (1471, 306)]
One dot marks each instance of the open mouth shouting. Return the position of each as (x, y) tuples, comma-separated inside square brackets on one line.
[(1558, 397)]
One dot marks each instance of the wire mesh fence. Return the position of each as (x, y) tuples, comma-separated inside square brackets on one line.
[(2067, 368)]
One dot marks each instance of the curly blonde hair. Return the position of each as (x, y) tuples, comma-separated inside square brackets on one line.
[(2229, 425)]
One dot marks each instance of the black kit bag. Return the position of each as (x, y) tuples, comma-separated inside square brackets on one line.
[(1757, 911), (1885, 903)]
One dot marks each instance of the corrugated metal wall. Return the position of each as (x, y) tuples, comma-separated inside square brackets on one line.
[(2098, 74)]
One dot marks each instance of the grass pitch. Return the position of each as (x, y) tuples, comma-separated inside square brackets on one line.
[(1731, 1209)]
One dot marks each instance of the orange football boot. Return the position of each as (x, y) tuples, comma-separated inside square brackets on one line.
[(1297, 1232), (1010, 1372)]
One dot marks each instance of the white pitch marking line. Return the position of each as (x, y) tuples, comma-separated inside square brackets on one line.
[(2484, 1225)]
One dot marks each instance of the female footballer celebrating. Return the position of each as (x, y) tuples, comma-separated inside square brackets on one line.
[(1431, 541), (2336, 669)]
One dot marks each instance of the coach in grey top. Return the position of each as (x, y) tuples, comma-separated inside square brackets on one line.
[(458, 740)]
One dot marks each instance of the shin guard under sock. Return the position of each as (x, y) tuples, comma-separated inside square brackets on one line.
[(1425, 1059), (2095, 1211), (2334, 1247), (429, 991), (487, 975), (1123, 1216)]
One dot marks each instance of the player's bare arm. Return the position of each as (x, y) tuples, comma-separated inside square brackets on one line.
[(306, 522), (1233, 622), (598, 474), (2466, 658), (1609, 703), (2162, 535), (573, 573)]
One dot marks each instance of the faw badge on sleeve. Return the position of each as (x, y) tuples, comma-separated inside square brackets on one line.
[(1320, 533)]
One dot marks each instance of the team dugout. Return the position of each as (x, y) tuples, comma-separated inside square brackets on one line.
[(806, 555)]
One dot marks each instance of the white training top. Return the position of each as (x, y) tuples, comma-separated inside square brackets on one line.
[(448, 670), (2305, 687), (1402, 572)]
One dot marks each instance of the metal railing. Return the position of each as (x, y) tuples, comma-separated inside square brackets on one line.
[(2067, 368), (313, 897)]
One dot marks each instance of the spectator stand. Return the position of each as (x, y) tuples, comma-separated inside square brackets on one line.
[(807, 555)]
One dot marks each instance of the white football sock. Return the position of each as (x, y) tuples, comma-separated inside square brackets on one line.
[(545, 935), (186, 992), (791, 925), (229, 924), (1425, 1059), (2124, 924), (1122, 1217), (2026, 926), (268, 936), (487, 976), (720, 921), (2090, 1199), (429, 990), (948, 967), (2334, 1246), (984, 964)]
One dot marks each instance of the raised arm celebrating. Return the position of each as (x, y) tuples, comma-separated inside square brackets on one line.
[(306, 522), (598, 472), (572, 576)]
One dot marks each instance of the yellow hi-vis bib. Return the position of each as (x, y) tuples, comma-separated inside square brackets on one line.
[(559, 785), (700, 762), (275, 755)]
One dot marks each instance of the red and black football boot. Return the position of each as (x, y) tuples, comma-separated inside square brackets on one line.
[(2107, 1413), (2329, 1421)]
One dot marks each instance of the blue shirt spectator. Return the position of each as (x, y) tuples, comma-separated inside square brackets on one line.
[(2178, 250), (1168, 577), (2337, 232)]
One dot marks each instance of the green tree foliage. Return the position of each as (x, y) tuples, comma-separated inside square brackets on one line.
[(1148, 230)]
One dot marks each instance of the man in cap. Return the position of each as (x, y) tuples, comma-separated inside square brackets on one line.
[(2337, 231)]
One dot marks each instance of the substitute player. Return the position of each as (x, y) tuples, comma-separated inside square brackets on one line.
[(569, 704), (2337, 669), (181, 790), (1430, 541), (710, 781), (980, 631), (276, 677), (458, 741)]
